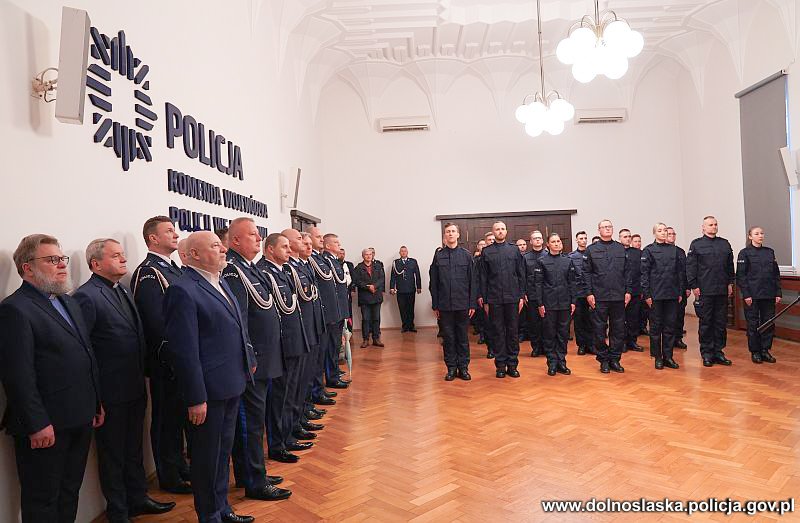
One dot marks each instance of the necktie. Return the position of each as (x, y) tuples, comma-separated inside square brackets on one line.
[(123, 302)]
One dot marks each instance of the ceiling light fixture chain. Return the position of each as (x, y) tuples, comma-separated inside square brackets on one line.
[(548, 110)]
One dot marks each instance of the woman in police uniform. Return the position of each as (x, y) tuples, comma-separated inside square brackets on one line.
[(552, 291), (759, 282)]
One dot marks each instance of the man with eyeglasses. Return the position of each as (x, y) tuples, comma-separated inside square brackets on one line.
[(607, 276), (50, 377)]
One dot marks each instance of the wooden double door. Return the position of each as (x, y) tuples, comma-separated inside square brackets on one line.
[(520, 226)]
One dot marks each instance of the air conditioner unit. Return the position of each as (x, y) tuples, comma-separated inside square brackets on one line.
[(406, 123), (600, 115)]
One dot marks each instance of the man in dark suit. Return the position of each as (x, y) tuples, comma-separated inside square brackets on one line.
[(208, 346), (406, 283), (149, 283), (50, 377), (264, 328), (280, 415), (370, 281), (117, 337)]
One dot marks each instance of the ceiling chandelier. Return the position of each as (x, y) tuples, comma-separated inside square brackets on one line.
[(599, 45), (543, 111)]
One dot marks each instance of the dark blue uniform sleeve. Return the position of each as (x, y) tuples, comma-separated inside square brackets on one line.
[(729, 266), (742, 269), (588, 272), (433, 284), (627, 274), (149, 297), (520, 274), (777, 275), (392, 278), (417, 276), (572, 283), (647, 266), (472, 270), (536, 292), (691, 267)]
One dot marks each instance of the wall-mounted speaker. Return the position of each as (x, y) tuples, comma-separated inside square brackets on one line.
[(73, 55)]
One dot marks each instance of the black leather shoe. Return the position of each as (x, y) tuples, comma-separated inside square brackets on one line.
[(722, 360), (659, 364), (464, 374), (232, 517), (581, 351), (330, 394), (604, 368), (636, 347), (311, 415), (672, 364), (561, 368), (756, 357), (274, 480), (500, 374), (284, 456), (184, 487), (680, 345), (551, 370), (303, 434), (451, 375), (707, 363), (644, 332), (313, 427), (151, 506), (767, 357), (268, 493), (513, 372), (337, 385), (324, 401), (299, 446), (615, 366), (490, 355), (321, 412), (412, 329)]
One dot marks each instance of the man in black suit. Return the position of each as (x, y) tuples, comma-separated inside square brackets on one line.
[(281, 417), (209, 348), (370, 281), (149, 283), (406, 283), (264, 328), (117, 337), (50, 377)]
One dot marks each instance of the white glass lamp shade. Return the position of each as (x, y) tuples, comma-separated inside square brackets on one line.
[(562, 109)]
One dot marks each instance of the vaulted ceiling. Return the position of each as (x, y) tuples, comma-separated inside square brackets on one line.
[(369, 43)]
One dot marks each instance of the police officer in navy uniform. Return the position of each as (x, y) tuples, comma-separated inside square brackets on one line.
[(582, 319), (551, 292), (209, 348), (149, 282), (333, 293), (633, 310), (709, 270), (663, 283), (759, 281), (607, 274), (502, 281), (117, 337), (454, 292), (263, 326), (681, 321), (535, 324), (50, 377), (281, 413), (313, 320), (405, 282)]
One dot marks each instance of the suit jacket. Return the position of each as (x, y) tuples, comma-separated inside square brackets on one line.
[(405, 277), (293, 336), (207, 340), (362, 278), (263, 325), (117, 339), (48, 368), (148, 293)]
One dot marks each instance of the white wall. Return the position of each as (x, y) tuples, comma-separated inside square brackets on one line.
[(205, 57), (477, 159)]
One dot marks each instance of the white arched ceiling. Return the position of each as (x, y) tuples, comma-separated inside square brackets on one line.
[(368, 43)]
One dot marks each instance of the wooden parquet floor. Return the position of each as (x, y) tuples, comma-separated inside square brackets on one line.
[(403, 445)]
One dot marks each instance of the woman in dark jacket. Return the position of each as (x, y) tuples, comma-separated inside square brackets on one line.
[(663, 282), (553, 291), (759, 282)]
